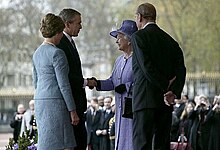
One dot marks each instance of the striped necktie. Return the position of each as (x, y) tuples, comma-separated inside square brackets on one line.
[(73, 43)]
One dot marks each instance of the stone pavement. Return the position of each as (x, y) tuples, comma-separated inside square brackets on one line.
[(4, 137)]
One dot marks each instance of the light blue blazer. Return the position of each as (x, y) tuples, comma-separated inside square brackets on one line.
[(50, 75)]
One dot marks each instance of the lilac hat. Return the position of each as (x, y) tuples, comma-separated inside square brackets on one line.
[(128, 27)]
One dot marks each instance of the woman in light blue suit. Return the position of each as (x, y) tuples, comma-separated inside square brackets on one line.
[(54, 103)]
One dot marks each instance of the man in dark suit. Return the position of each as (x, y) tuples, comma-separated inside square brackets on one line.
[(72, 21), (159, 77), (93, 116), (103, 129)]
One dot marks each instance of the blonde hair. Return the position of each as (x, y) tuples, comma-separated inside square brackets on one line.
[(185, 113)]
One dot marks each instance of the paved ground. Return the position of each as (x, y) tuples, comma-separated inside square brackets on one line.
[(4, 139)]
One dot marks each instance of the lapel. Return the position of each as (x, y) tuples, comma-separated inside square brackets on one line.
[(97, 117), (108, 116), (68, 44), (89, 115)]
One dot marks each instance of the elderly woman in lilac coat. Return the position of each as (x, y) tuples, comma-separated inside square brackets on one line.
[(120, 81)]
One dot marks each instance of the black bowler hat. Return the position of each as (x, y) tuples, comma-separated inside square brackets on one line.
[(128, 27)]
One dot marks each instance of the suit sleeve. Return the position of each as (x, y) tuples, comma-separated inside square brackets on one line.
[(108, 85), (61, 70), (180, 71)]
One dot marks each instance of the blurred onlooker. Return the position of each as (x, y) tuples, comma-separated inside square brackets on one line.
[(101, 102), (112, 128), (102, 131), (199, 133), (213, 117), (174, 127), (93, 115), (28, 119), (185, 98), (16, 121), (180, 105), (88, 103), (178, 109), (185, 123), (196, 99)]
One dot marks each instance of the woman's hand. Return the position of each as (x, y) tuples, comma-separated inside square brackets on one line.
[(74, 118)]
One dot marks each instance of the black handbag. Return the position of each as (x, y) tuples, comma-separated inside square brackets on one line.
[(127, 106)]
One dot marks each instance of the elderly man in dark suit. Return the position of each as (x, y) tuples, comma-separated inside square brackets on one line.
[(159, 77), (72, 21)]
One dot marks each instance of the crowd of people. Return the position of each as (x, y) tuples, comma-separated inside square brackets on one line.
[(196, 122), (150, 71), (98, 124), (24, 122)]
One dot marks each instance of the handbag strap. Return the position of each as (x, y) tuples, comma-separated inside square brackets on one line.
[(129, 90)]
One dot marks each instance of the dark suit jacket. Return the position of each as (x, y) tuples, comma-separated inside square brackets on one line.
[(16, 124), (92, 125), (162, 59), (179, 110), (213, 117), (75, 75), (203, 127), (104, 124)]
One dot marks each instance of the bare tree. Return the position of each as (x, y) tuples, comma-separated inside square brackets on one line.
[(195, 25), (19, 35)]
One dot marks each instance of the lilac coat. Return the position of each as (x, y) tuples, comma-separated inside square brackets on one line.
[(121, 74)]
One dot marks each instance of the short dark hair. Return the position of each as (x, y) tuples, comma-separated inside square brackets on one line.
[(95, 100), (147, 10), (68, 14), (50, 25), (109, 97)]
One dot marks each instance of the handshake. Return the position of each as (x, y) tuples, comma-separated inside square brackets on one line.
[(93, 82)]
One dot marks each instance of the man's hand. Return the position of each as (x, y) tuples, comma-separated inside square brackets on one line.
[(74, 118), (98, 132), (169, 98), (91, 82), (104, 132)]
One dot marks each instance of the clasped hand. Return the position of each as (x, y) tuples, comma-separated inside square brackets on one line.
[(169, 98), (92, 82)]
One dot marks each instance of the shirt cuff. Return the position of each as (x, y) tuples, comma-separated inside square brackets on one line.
[(85, 83)]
